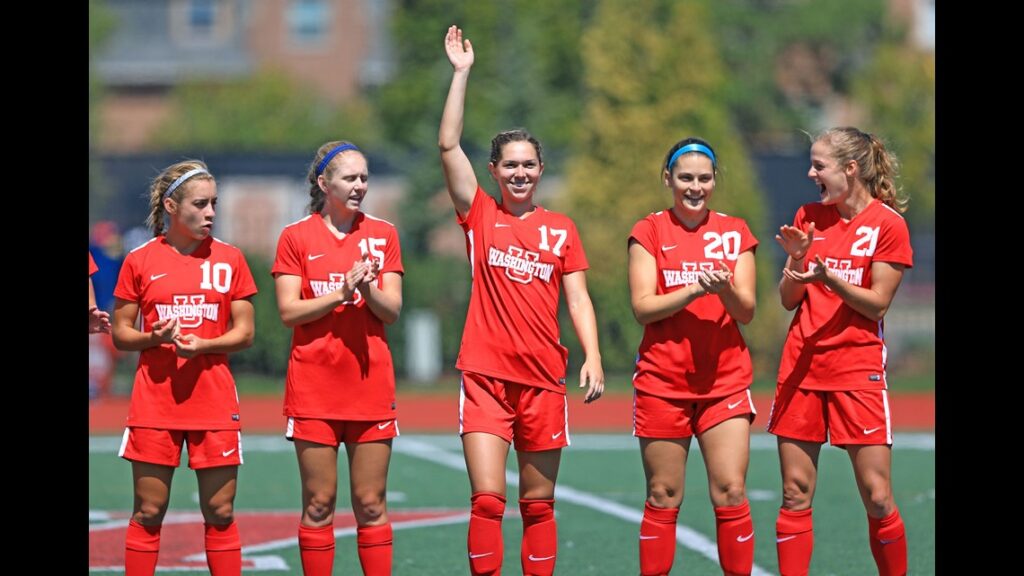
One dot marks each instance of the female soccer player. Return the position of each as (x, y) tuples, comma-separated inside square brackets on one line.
[(513, 366), (847, 254), (193, 294), (338, 276), (691, 280)]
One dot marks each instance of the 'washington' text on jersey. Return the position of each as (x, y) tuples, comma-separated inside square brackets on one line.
[(842, 268), (687, 274), (520, 265), (189, 310)]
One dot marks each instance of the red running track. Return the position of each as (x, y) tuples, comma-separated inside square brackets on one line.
[(439, 413)]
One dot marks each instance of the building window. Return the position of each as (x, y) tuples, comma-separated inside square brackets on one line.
[(201, 16), (308, 21)]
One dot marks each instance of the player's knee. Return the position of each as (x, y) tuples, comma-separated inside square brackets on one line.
[(796, 493), (150, 512), (730, 493), (320, 507), (664, 495), (222, 512), (368, 507), (879, 501)]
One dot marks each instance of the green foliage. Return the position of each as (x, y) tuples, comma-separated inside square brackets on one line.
[(272, 345), (642, 98), (265, 112), (758, 40), (102, 23), (898, 91)]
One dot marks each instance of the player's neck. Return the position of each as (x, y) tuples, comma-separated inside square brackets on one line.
[(689, 218), (182, 243), (340, 223), (854, 204)]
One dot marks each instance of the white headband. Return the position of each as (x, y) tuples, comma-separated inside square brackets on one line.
[(182, 178)]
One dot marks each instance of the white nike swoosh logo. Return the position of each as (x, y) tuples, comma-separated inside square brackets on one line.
[(502, 225), (539, 559), (744, 538), (866, 431), (883, 541), (819, 238), (312, 257), (157, 276), (384, 425), (667, 248), (555, 436), (731, 406), (471, 555), (784, 539), (642, 537), (227, 453)]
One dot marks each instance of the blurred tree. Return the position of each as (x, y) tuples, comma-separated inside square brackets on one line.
[(898, 92), (653, 76), (785, 59), (265, 112), (102, 23)]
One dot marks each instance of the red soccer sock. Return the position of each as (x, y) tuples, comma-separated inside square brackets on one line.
[(316, 547), (141, 548), (657, 540), (484, 542), (540, 537), (374, 543), (794, 541), (888, 544), (735, 539), (223, 549)]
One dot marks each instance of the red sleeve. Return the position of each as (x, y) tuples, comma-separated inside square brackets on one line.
[(476, 210), (575, 257), (894, 243), (747, 239), (127, 287), (799, 221), (644, 233), (392, 253), (289, 257), (244, 284), (93, 268)]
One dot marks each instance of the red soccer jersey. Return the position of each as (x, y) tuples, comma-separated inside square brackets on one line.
[(830, 346), (517, 265), (340, 365), (93, 268), (697, 352), (170, 391)]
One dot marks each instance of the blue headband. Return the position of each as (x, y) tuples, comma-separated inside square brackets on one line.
[(181, 179), (334, 152), (692, 148)]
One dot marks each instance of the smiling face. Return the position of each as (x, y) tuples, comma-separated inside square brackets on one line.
[(517, 171), (692, 181), (833, 179), (345, 182), (192, 217)]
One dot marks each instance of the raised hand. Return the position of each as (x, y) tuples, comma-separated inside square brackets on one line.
[(795, 241), (460, 52)]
